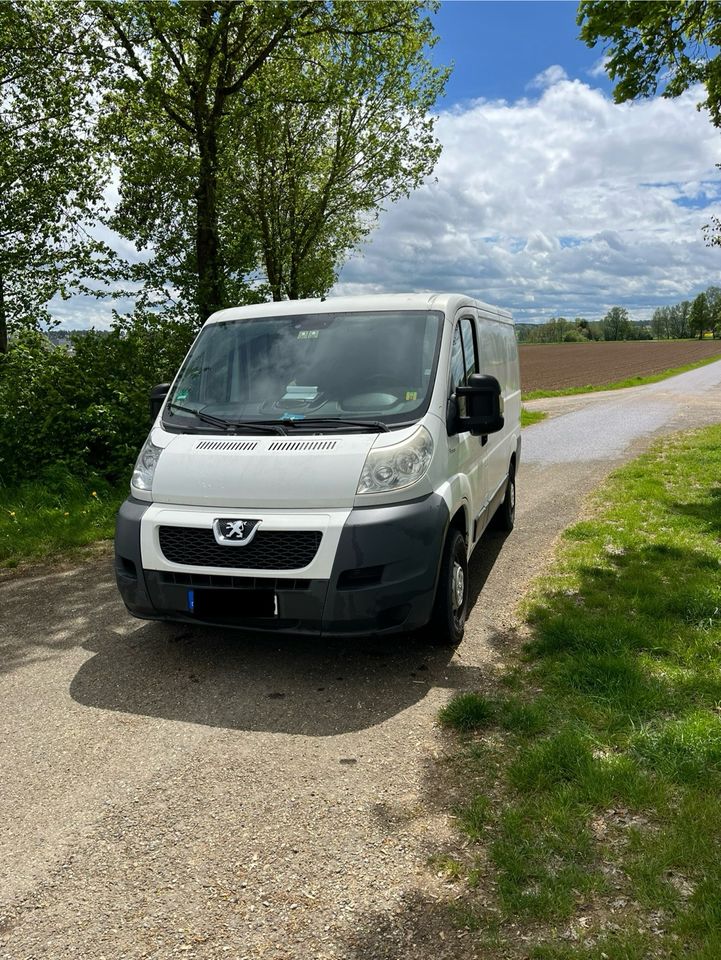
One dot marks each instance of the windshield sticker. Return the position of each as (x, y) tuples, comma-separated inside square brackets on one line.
[(411, 394), (308, 334), (293, 416), (181, 395)]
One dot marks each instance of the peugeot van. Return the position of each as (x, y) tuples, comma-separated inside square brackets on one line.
[(326, 467)]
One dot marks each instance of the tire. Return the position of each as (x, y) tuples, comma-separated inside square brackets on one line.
[(505, 517), (450, 607)]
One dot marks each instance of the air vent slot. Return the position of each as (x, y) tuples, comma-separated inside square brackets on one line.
[(235, 445), (300, 446)]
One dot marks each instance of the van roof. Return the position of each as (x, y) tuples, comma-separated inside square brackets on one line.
[(446, 302)]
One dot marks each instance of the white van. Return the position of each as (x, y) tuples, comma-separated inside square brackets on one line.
[(326, 467)]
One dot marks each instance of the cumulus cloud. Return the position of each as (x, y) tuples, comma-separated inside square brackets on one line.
[(548, 77), (566, 204)]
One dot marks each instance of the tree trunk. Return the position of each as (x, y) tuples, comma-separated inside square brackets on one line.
[(3, 319), (210, 274)]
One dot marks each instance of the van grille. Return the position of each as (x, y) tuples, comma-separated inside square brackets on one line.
[(268, 550)]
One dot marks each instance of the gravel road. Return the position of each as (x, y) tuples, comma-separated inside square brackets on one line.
[(176, 792)]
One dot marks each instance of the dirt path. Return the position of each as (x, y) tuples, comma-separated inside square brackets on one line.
[(194, 793)]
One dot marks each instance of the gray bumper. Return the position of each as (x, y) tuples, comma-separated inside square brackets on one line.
[(383, 579)]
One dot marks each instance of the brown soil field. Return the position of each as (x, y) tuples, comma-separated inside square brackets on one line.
[(557, 366)]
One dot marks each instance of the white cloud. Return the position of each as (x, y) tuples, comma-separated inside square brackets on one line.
[(564, 204), (548, 78), (600, 67)]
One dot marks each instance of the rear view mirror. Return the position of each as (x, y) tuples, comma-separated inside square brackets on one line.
[(157, 396), (483, 413)]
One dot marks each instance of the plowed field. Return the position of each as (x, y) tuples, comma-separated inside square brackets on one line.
[(557, 366)]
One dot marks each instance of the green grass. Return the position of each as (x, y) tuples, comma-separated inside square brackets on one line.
[(529, 417), (55, 515), (620, 384), (600, 811)]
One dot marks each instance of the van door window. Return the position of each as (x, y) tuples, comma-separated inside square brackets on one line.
[(464, 355)]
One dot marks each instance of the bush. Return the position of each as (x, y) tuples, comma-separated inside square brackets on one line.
[(83, 410)]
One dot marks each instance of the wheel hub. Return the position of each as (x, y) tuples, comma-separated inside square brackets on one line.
[(459, 586)]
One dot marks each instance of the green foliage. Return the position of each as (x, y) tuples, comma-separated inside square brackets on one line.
[(467, 711), (616, 325), (672, 46), (57, 512), (699, 318), (608, 794), (85, 408), (50, 188), (256, 142)]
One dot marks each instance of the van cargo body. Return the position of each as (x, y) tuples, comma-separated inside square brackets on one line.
[(326, 467)]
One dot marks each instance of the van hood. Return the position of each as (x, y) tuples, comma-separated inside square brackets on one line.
[(262, 472)]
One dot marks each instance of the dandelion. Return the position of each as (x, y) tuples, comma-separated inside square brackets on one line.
[(12, 513), (93, 494), (66, 514)]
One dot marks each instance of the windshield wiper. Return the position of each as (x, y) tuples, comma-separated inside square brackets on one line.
[(310, 422), (263, 426)]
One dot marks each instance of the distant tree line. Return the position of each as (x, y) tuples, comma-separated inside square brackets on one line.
[(689, 318)]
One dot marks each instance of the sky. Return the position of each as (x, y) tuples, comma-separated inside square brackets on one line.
[(548, 198)]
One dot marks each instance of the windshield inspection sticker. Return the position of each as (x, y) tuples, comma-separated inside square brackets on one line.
[(411, 394), (308, 334)]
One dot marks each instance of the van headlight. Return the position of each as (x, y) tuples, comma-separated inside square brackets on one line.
[(392, 468), (145, 465)]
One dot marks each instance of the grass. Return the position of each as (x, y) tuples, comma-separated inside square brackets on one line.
[(529, 417), (620, 384), (598, 818), (55, 515)]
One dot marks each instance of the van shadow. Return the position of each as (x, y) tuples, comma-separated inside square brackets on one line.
[(284, 684)]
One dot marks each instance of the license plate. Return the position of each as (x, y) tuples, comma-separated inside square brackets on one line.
[(236, 605)]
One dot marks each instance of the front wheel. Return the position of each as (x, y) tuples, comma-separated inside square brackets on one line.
[(448, 619), (505, 517)]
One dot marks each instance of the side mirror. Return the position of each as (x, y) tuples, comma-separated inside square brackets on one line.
[(480, 406), (157, 396)]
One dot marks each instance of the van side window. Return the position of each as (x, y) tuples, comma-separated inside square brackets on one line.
[(464, 355)]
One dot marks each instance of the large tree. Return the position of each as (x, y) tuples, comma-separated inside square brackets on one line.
[(616, 324), (49, 184), (253, 138), (667, 46)]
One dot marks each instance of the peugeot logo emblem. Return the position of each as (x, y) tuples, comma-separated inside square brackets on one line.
[(231, 532)]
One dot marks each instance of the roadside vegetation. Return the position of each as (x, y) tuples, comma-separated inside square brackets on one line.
[(592, 768), (40, 520), (529, 417)]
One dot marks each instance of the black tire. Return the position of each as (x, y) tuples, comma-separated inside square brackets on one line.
[(450, 607), (505, 517)]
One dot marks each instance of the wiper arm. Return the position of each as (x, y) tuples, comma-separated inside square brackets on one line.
[(310, 422), (260, 425)]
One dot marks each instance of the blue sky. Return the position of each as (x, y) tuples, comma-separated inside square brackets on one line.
[(549, 198), (498, 47)]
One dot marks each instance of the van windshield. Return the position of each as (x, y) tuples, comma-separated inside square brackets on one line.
[(334, 366)]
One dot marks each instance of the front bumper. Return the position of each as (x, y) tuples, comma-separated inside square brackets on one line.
[(382, 579)]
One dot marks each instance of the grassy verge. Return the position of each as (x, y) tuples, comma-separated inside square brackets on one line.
[(594, 812), (529, 417), (55, 515), (621, 384)]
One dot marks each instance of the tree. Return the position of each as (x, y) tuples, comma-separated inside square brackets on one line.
[(661, 323), (679, 320), (252, 135), (700, 316), (672, 45), (49, 180), (616, 325)]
